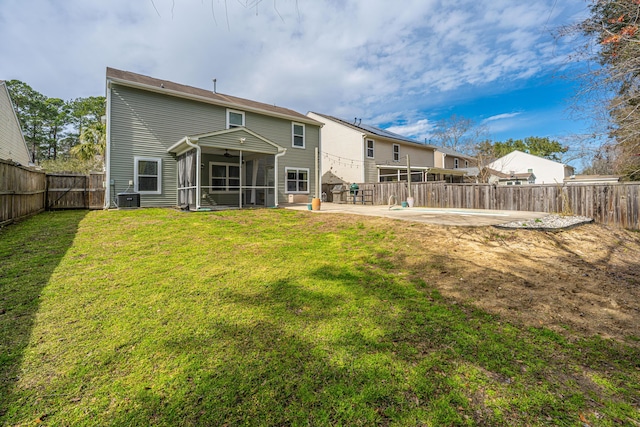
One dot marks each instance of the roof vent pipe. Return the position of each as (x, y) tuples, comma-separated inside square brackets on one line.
[(214, 85)]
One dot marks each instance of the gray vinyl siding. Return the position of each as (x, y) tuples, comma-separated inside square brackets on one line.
[(370, 171), (279, 131), (231, 141), (421, 156), (146, 124)]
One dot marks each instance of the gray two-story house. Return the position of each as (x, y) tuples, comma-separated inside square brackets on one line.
[(177, 145)]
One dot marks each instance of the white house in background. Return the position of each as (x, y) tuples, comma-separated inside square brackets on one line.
[(592, 179), (12, 144), (546, 171), (500, 178), (447, 158), (356, 152)]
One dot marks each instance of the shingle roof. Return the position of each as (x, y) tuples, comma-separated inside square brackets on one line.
[(374, 130), (450, 152), (139, 80)]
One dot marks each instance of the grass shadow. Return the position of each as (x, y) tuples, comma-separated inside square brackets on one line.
[(30, 251)]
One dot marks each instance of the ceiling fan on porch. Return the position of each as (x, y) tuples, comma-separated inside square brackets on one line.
[(228, 155)]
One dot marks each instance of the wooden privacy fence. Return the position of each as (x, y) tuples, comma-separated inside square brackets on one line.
[(25, 191), (615, 204), (75, 191), (22, 191)]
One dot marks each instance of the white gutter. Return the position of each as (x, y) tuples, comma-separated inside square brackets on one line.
[(275, 175), (198, 156), (107, 154)]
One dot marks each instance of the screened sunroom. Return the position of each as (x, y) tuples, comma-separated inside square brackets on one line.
[(234, 168)]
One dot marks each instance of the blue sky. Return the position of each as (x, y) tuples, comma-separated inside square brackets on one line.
[(401, 65)]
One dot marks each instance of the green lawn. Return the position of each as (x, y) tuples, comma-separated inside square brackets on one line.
[(271, 317)]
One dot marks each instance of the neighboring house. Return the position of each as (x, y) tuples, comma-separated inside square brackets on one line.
[(457, 167), (497, 177), (592, 179), (545, 171), (178, 145), (12, 144), (356, 152)]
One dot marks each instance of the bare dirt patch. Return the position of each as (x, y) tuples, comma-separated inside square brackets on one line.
[(583, 281)]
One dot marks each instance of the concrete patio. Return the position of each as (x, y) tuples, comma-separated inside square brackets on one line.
[(440, 216)]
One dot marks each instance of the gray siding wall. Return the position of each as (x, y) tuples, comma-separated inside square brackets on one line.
[(279, 131), (146, 124), (420, 156), (231, 141)]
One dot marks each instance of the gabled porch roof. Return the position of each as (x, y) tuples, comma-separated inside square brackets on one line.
[(239, 138)]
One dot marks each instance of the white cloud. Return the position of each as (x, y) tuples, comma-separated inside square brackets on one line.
[(350, 58), (418, 130), (500, 117)]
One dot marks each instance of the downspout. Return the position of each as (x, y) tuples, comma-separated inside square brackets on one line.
[(408, 177), (107, 154), (241, 173), (317, 177), (197, 165), (364, 157), (319, 163), (275, 175)]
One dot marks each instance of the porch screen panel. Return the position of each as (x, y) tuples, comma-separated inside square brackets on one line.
[(187, 179), (182, 168), (191, 177)]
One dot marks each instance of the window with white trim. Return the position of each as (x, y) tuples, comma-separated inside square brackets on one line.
[(297, 135), (224, 177), (396, 153), (466, 163), (297, 180), (455, 163), (370, 149), (235, 118), (147, 175)]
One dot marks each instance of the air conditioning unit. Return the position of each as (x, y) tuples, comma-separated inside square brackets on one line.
[(128, 200)]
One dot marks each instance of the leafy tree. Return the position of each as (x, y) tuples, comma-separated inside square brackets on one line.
[(92, 142), (30, 109), (542, 147), (612, 41), (85, 112), (55, 119), (54, 127)]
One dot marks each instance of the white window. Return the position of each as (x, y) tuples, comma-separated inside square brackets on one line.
[(235, 119), (370, 151), (297, 135), (297, 180), (455, 163), (147, 175), (466, 163), (225, 177), (396, 153)]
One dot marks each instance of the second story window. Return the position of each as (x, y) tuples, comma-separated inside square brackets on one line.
[(456, 163), (396, 153), (235, 119), (370, 152), (297, 131)]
